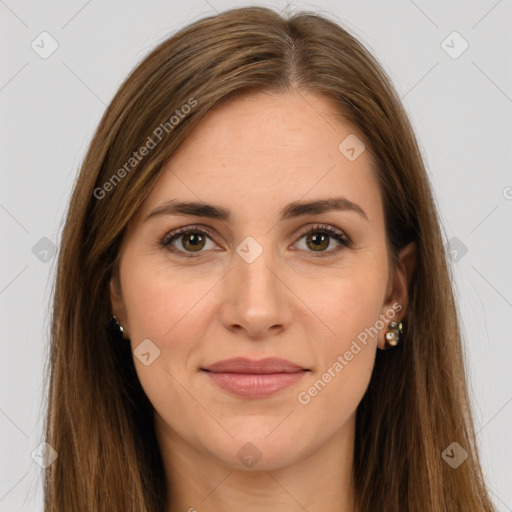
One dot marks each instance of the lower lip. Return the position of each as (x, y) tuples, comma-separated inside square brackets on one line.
[(250, 385)]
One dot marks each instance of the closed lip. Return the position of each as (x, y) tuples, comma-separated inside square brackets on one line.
[(252, 366)]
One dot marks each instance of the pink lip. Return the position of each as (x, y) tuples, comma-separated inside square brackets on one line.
[(254, 379)]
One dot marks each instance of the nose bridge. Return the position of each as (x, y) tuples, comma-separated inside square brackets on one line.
[(254, 271), (255, 297)]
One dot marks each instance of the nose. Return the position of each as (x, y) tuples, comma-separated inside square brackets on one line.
[(256, 299)]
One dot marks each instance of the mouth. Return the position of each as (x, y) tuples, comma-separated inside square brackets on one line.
[(254, 378)]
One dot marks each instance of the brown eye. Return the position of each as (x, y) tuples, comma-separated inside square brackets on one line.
[(186, 240), (318, 239), (193, 241)]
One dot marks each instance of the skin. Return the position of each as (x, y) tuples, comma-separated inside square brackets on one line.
[(253, 155)]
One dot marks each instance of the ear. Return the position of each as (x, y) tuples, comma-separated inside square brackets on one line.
[(117, 305), (397, 293)]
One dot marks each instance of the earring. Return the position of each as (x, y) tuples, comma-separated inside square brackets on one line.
[(119, 326), (394, 333), (115, 327)]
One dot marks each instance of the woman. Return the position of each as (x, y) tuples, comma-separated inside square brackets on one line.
[(254, 225)]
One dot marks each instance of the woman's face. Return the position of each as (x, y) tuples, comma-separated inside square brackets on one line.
[(248, 282)]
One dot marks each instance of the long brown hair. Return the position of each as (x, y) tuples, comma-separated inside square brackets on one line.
[(99, 419)]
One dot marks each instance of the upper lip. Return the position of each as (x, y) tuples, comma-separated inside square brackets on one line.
[(262, 366)]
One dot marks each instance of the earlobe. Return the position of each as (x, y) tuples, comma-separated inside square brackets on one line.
[(398, 298), (114, 295), (404, 269), (117, 305)]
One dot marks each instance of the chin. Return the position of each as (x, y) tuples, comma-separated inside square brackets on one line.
[(255, 450), (250, 457)]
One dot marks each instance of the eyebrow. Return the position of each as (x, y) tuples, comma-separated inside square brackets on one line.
[(292, 210)]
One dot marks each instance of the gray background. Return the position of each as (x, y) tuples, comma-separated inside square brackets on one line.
[(460, 108)]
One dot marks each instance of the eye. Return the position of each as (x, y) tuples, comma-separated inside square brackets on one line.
[(318, 239), (194, 239)]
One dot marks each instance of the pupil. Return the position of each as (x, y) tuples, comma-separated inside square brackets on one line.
[(193, 240), (318, 240)]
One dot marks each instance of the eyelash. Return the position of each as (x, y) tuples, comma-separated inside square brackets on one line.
[(166, 241)]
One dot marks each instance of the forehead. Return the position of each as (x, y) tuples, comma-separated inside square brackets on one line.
[(266, 150)]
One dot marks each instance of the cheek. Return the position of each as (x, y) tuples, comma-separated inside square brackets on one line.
[(345, 362), (335, 392), (351, 308), (349, 303), (174, 311), (165, 307), (161, 301)]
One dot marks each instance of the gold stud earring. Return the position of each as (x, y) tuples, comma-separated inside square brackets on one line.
[(393, 335)]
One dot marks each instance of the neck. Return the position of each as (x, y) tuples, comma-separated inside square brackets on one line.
[(199, 482)]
